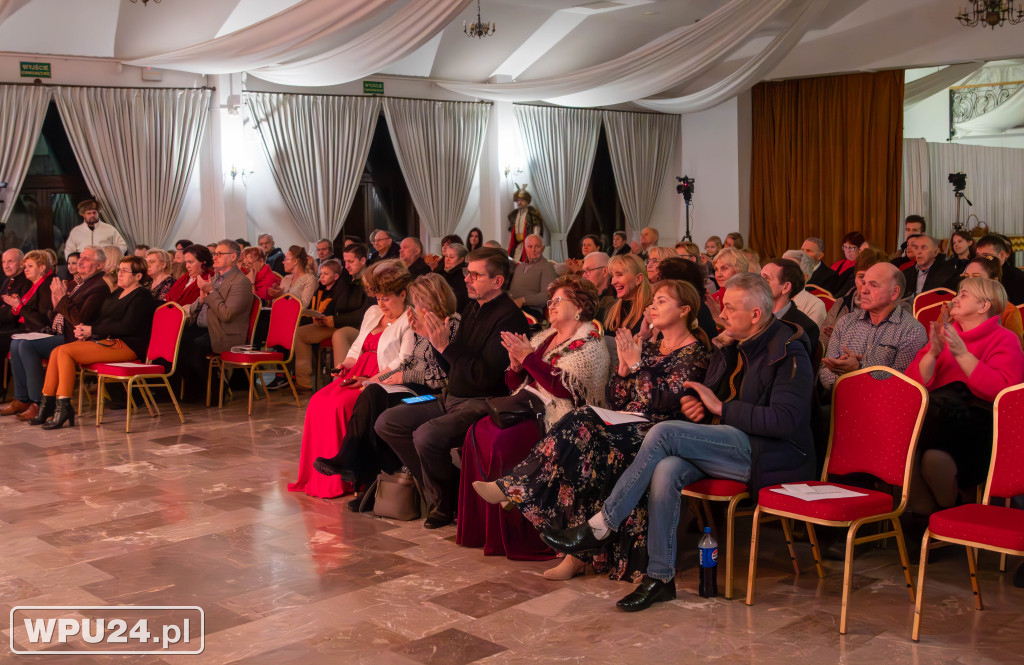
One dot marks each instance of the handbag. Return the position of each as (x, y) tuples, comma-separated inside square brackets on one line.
[(514, 409), (396, 496)]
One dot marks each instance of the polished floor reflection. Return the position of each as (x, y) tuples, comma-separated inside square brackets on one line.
[(199, 515)]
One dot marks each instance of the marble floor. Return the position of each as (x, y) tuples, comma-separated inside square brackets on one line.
[(200, 515)]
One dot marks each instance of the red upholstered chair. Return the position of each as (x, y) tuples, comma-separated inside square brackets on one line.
[(876, 418), (168, 322), (284, 322), (828, 301), (816, 290), (933, 297), (926, 315), (983, 525), (214, 358)]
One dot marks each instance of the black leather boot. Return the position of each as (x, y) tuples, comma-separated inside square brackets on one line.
[(63, 413), (46, 408)]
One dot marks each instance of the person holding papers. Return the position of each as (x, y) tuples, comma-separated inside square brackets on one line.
[(363, 453), (385, 340), (568, 474), (749, 421)]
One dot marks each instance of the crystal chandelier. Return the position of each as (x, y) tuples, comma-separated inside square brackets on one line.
[(990, 13), (478, 29), (144, 2)]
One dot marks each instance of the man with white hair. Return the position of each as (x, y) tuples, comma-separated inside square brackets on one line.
[(411, 252), (748, 421), (932, 271), (274, 255), (821, 275), (13, 286), (804, 301), (529, 288), (595, 271)]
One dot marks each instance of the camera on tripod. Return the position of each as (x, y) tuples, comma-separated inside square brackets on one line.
[(959, 182), (685, 187)]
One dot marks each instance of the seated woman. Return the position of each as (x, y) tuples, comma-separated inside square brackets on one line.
[(31, 313), (363, 453), (990, 268), (628, 277), (119, 334), (844, 269), (655, 255), (728, 262), (113, 254), (198, 263), (964, 366), (159, 263), (964, 250), (385, 340), (690, 272), (300, 280), (259, 273), (572, 470)]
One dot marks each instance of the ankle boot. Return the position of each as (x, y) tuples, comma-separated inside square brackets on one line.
[(46, 408), (63, 413)]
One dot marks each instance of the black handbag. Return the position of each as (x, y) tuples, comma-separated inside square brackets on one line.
[(514, 409)]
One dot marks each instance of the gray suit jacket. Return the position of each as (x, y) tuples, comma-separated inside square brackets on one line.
[(229, 305)]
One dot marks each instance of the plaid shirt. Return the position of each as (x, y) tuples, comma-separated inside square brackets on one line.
[(892, 343)]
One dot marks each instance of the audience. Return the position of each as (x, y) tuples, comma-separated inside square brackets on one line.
[(274, 256), (964, 250), (655, 255), (881, 333), (451, 270), (588, 244), (28, 311), (633, 293), (850, 302), (15, 285), (756, 431), (114, 255), (595, 271), (989, 268), (821, 275), (964, 366), (72, 265), (385, 340), (620, 244), (92, 231), (913, 225), (712, 246), (475, 239), (932, 271), (529, 287), (259, 273), (158, 264), (198, 266), (572, 469), (331, 293), (140, 251), (384, 247), (324, 251), (843, 269), (299, 280), (785, 278), (1013, 278), (810, 305), (178, 264), (734, 240), (411, 251), (422, 435), (349, 316), (648, 239), (690, 272)]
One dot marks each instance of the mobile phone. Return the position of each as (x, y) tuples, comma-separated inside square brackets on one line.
[(417, 400)]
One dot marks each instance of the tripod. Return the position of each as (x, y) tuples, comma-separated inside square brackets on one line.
[(689, 202)]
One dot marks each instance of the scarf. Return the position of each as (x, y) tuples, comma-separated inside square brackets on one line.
[(28, 296)]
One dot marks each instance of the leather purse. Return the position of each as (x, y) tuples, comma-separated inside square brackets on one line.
[(514, 409), (396, 496)]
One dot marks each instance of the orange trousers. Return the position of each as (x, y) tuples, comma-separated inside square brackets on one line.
[(60, 372)]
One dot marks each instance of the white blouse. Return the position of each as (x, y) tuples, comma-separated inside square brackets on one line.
[(396, 341)]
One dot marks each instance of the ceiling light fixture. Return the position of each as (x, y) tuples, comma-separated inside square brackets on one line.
[(478, 29), (144, 2), (990, 13)]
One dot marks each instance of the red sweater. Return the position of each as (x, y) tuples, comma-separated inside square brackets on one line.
[(184, 293), (1000, 361)]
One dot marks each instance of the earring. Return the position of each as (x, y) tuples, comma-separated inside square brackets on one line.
[(577, 317)]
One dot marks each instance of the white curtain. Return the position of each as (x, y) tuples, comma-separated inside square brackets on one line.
[(136, 148), (915, 198), (674, 59), (316, 147), (560, 146), (926, 86), (641, 145), (993, 186), (8, 7), (22, 110), (438, 146)]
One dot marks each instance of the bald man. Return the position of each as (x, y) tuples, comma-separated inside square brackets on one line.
[(882, 333)]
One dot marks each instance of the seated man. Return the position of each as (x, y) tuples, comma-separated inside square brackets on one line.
[(821, 275), (383, 247), (882, 333), (785, 279), (595, 271), (749, 421), (1013, 277), (351, 306), (423, 435), (810, 305), (529, 288), (411, 251), (932, 271)]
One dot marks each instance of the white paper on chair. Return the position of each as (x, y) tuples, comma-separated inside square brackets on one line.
[(816, 492), (128, 364), (391, 389), (30, 336), (244, 349), (618, 417)]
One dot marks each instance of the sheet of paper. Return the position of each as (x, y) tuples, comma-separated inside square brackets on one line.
[(816, 492), (30, 336), (392, 389), (618, 417), (128, 364), (244, 349)]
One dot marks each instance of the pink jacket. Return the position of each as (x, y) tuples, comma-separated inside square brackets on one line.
[(1000, 361)]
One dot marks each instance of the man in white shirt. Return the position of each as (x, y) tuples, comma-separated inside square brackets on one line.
[(92, 231)]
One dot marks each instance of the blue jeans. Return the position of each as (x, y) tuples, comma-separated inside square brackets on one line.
[(27, 365), (673, 455)]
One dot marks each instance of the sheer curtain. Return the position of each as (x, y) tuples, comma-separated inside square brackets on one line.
[(640, 145), (560, 146), (438, 146), (915, 196), (921, 89), (137, 148), (316, 147), (993, 186), (22, 109)]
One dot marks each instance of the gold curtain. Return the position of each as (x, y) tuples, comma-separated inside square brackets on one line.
[(826, 160)]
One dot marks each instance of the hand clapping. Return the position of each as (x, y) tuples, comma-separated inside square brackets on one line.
[(628, 348), (518, 347), (436, 330)]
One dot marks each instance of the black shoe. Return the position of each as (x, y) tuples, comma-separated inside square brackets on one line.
[(1018, 577), (436, 519), (577, 540), (649, 592), (328, 467), (63, 413), (46, 408), (278, 383)]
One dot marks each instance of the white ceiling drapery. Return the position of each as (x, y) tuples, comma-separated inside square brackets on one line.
[(926, 86)]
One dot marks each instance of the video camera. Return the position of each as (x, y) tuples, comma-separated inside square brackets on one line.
[(685, 187), (959, 181)]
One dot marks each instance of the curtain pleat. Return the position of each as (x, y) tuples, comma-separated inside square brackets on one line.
[(560, 147), (137, 149), (316, 147), (640, 145), (915, 194), (438, 146), (22, 110), (826, 160)]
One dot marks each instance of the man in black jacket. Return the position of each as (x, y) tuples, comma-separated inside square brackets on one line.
[(1013, 278), (14, 285), (785, 278), (383, 247), (423, 435), (411, 251), (821, 275), (748, 421), (932, 271)]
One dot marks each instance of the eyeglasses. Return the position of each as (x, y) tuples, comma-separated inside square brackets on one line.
[(589, 270), (653, 261), (556, 301), (847, 248), (473, 276), (124, 271), (223, 253)]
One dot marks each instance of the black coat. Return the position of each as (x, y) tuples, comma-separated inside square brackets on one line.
[(823, 277), (942, 275), (1013, 282), (83, 306)]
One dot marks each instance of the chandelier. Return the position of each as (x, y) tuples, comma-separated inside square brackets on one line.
[(990, 13), (478, 29), (144, 2)]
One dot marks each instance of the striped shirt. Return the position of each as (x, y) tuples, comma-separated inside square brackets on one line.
[(892, 343)]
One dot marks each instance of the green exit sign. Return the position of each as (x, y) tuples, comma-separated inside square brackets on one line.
[(373, 87), (36, 70)]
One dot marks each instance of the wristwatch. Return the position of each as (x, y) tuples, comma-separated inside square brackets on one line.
[(634, 367)]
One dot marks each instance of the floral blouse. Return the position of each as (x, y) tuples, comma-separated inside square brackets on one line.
[(656, 387)]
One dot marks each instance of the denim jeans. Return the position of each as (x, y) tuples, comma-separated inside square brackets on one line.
[(673, 455), (27, 365)]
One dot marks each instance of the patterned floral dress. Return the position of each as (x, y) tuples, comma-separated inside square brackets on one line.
[(568, 475)]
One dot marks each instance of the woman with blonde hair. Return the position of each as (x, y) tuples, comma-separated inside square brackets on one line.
[(300, 280), (159, 262), (655, 255), (27, 313), (114, 255), (633, 293)]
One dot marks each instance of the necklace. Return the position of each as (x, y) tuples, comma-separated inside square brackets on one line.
[(686, 340)]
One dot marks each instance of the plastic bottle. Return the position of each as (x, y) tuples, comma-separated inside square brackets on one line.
[(708, 566)]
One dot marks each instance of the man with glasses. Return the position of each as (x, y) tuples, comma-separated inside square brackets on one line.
[(529, 288), (595, 271), (383, 247), (221, 316), (423, 435)]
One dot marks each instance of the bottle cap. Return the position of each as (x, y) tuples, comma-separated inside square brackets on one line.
[(707, 529)]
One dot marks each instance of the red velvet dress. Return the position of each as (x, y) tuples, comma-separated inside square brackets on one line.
[(327, 417)]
